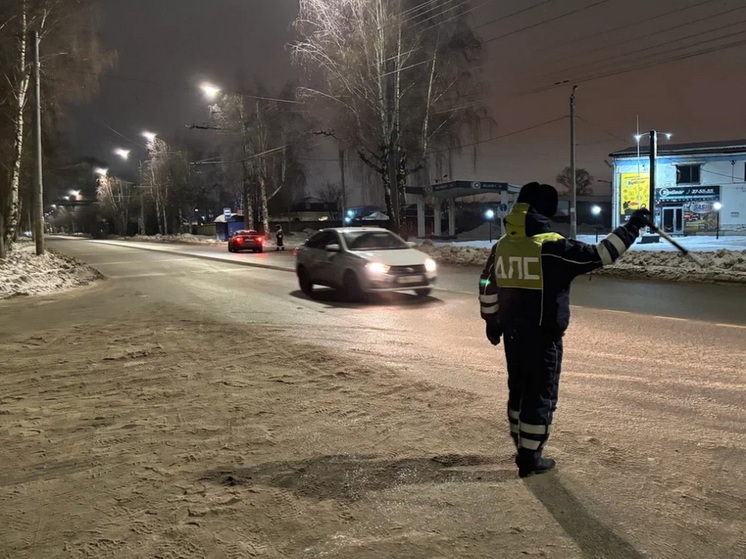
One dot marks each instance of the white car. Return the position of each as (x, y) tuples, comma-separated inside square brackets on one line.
[(363, 260)]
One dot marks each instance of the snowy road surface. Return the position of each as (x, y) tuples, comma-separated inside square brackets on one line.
[(649, 434)]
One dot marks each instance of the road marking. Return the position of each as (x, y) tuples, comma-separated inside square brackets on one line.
[(731, 325)]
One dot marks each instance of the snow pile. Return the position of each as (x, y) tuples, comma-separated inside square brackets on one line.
[(184, 238), (642, 261), (24, 273), (291, 240)]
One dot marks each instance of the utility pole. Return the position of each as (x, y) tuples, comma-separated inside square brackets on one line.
[(573, 177), (653, 156), (38, 212), (342, 175)]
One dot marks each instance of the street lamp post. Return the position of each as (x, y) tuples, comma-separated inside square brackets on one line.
[(653, 134), (489, 215), (596, 211), (717, 206)]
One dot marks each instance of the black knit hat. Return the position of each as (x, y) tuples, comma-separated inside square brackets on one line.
[(542, 197)]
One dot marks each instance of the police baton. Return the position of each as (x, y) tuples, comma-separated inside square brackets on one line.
[(667, 237)]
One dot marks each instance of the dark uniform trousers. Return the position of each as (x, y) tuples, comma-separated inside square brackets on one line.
[(534, 359)]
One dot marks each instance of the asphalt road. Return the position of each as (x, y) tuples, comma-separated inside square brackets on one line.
[(708, 302), (650, 429), (442, 330)]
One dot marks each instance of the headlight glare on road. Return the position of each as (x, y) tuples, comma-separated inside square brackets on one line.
[(377, 268), (430, 265)]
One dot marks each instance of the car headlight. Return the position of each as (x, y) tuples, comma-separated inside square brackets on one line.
[(430, 265), (377, 267)]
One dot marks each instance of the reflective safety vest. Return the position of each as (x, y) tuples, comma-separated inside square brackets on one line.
[(518, 262)]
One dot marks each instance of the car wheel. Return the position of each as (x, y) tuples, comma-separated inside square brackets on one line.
[(304, 281), (422, 292), (260, 249), (230, 249), (352, 289)]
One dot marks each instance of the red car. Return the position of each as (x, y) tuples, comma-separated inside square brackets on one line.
[(246, 239)]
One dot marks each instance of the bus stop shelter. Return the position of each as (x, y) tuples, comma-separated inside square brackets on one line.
[(450, 191)]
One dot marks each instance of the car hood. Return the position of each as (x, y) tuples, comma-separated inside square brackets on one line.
[(397, 257)]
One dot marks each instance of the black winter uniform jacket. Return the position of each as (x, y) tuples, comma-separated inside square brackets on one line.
[(526, 281)]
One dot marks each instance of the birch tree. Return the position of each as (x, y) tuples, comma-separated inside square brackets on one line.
[(115, 198), (397, 78), (71, 60), (265, 137)]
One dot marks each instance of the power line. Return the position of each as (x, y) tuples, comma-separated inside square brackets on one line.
[(492, 139), (572, 12), (626, 141), (503, 18), (585, 38), (672, 41), (643, 66)]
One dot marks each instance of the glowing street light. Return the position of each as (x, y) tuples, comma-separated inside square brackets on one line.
[(653, 134), (149, 136), (75, 193), (211, 91), (489, 215), (100, 171), (123, 153), (596, 210), (717, 206)]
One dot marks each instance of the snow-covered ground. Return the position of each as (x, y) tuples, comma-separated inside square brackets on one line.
[(24, 273), (721, 259)]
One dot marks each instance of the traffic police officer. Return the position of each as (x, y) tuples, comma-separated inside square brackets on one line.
[(280, 238), (524, 296)]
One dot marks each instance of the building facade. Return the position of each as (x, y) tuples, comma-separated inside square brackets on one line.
[(700, 188)]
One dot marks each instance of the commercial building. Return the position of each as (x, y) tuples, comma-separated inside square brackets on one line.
[(700, 188)]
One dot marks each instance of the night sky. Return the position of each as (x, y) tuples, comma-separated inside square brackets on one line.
[(167, 47)]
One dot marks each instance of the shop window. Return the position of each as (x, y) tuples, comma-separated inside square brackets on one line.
[(687, 174)]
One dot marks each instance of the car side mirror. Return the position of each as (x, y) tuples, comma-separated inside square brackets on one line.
[(334, 247), (411, 244)]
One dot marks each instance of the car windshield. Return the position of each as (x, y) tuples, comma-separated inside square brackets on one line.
[(373, 240), (246, 232)]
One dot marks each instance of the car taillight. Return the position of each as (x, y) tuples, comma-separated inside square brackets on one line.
[(239, 239), (259, 239)]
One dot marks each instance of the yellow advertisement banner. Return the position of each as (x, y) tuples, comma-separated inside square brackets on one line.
[(634, 192)]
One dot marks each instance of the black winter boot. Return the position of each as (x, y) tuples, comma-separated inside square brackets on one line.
[(531, 463)]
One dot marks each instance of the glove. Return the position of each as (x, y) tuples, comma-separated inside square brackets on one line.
[(639, 218), (494, 332)]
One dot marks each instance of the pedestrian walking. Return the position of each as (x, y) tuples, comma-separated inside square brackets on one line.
[(280, 238), (524, 294)]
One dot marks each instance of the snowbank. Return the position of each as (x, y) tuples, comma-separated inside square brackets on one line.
[(24, 273), (291, 240), (185, 238), (650, 261)]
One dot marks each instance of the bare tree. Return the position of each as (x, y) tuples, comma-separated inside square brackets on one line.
[(71, 57), (397, 78), (331, 193), (583, 180), (266, 138), (115, 198)]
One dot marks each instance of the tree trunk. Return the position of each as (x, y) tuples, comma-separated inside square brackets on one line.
[(246, 205), (263, 200), (13, 202)]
